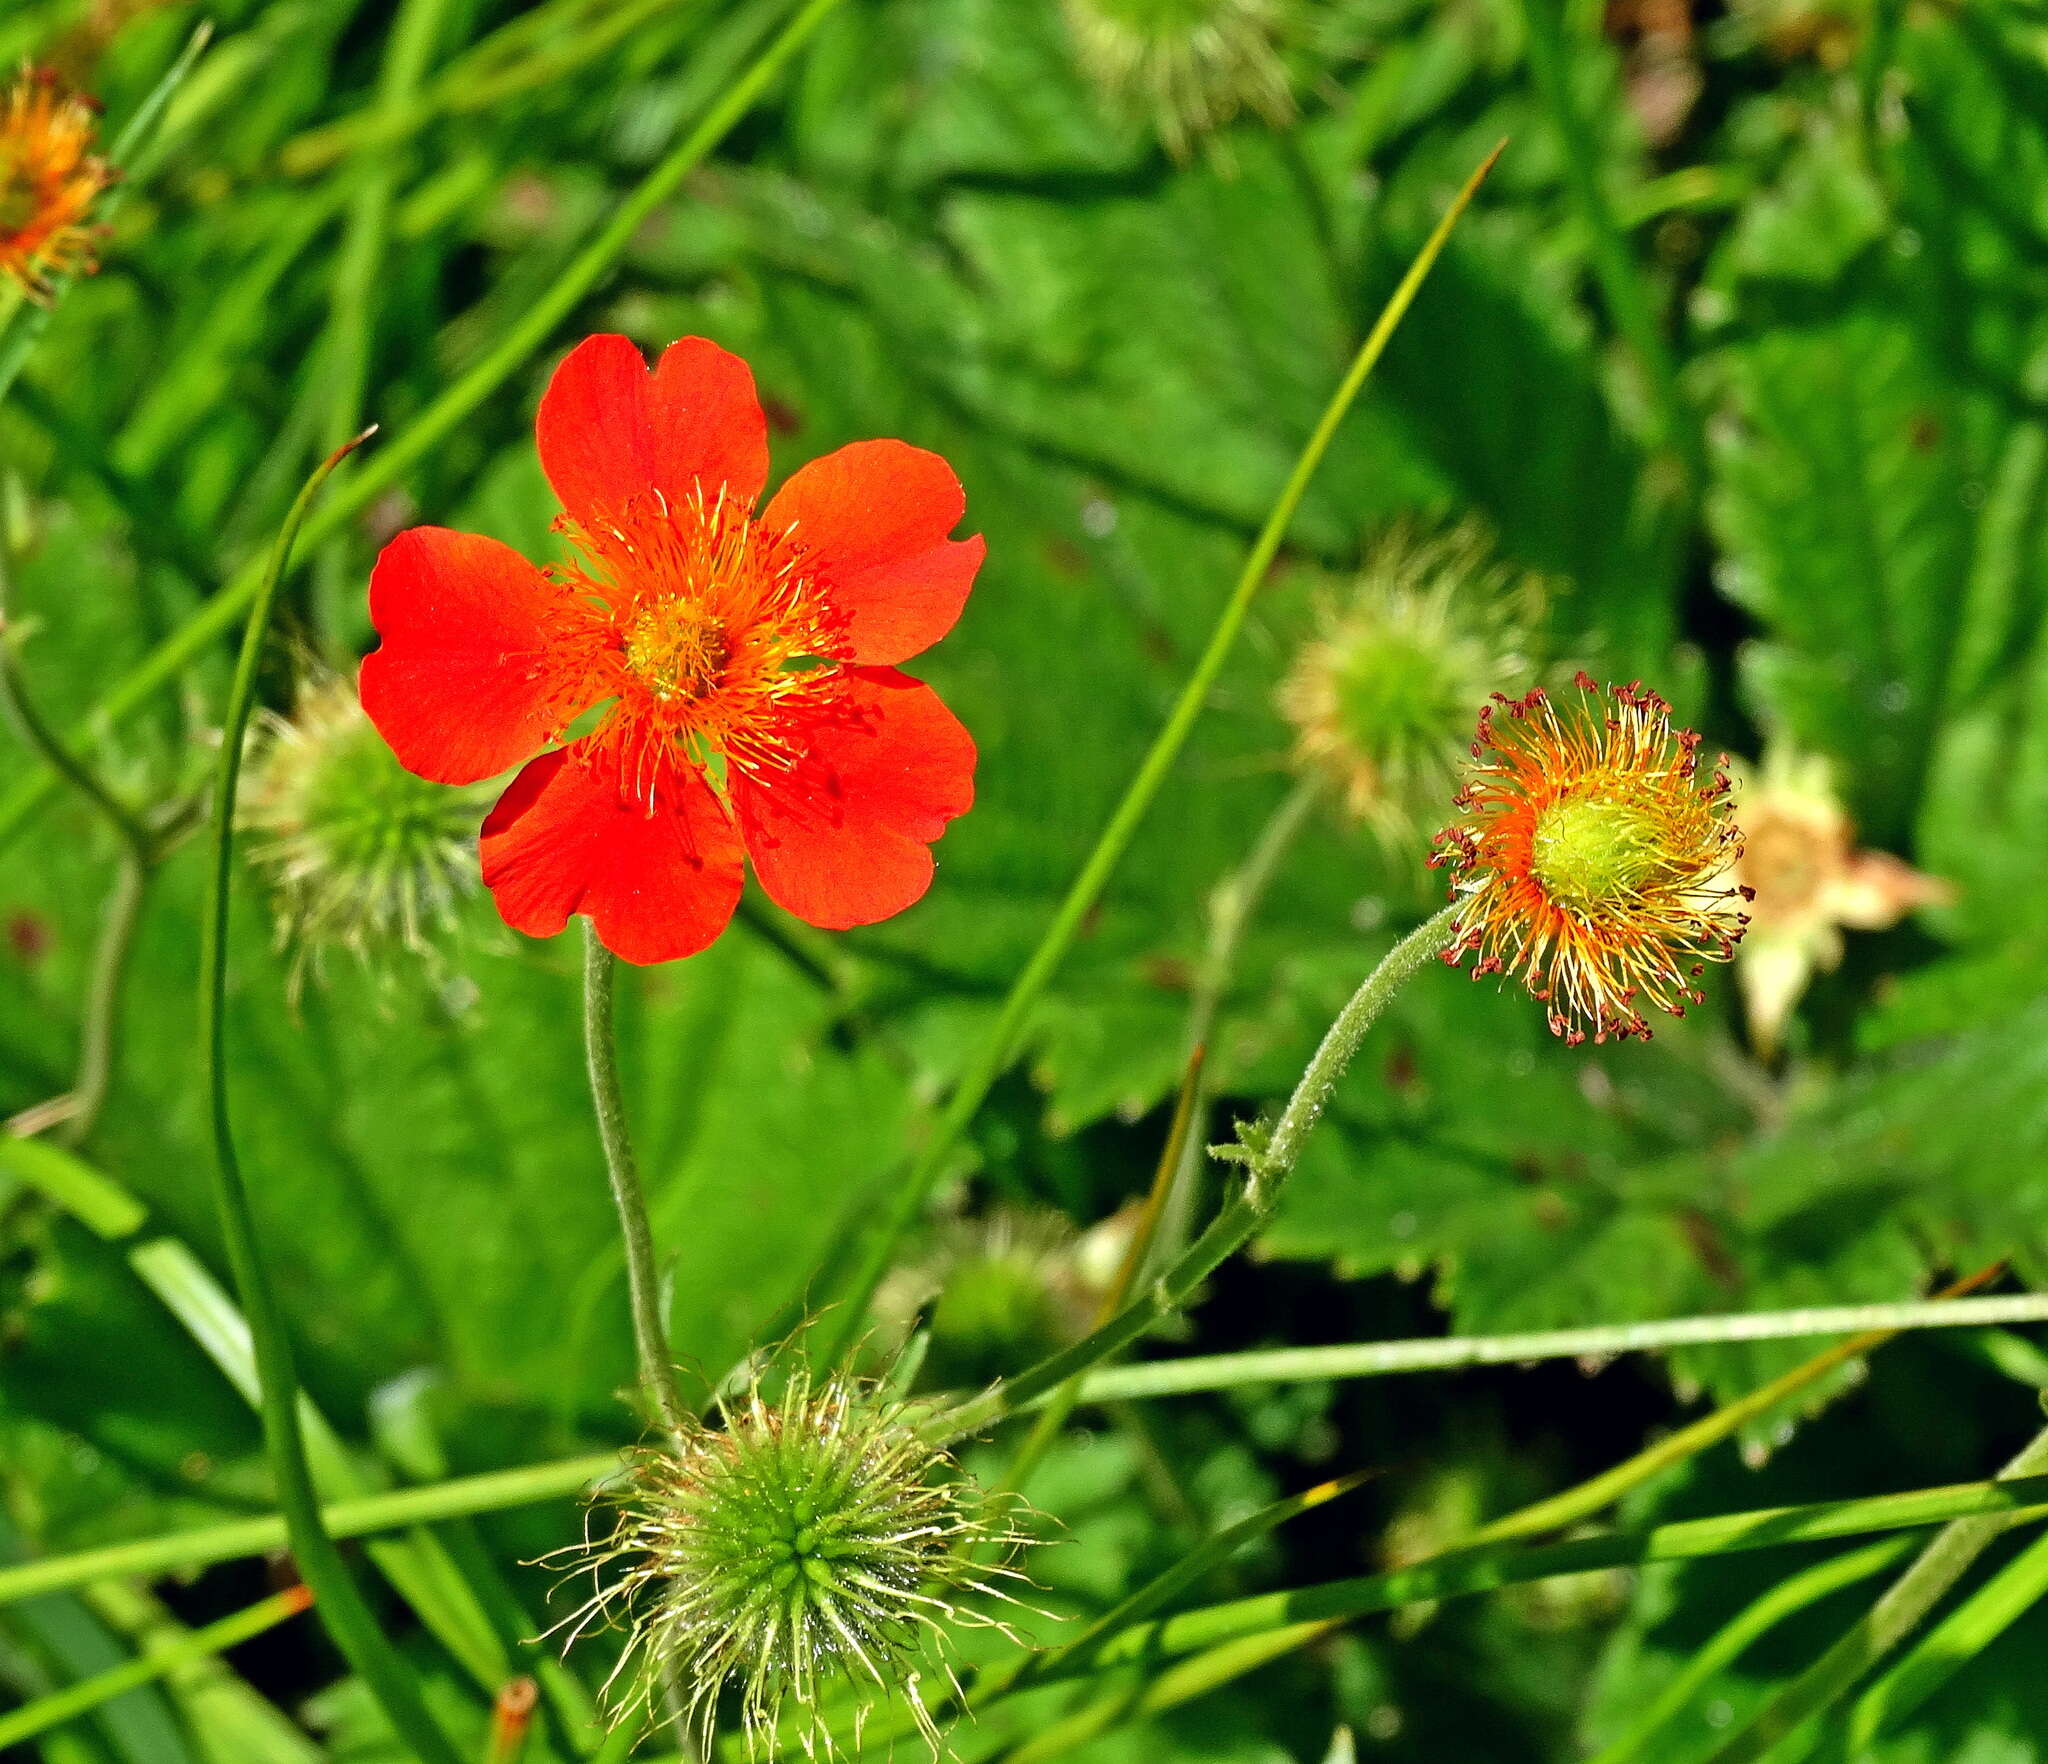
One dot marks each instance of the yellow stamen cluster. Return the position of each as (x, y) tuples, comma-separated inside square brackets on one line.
[(1590, 859), (704, 629)]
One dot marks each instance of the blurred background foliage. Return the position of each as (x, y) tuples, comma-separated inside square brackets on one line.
[(1742, 350)]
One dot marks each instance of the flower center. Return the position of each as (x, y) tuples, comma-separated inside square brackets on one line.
[(677, 649), (1595, 852)]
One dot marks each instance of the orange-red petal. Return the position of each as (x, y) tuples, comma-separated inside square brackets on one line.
[(844, 838), (567, 837), (609, 429), (461, 687), (874, 518)]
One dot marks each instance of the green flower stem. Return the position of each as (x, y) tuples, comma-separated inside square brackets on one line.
[(74, 1700), (174, 1552), (908, 1200), (425, 434), (1614, 264), (1787, 1599), (100, 1020), (345, 1614), (1246, 1209), (643, 1278), (1377, 1359), (1231, 909), (1059, 1404), (1180, 1683), (1901, 1609)]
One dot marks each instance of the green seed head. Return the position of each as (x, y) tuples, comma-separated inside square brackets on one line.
[(360, 854), (1382, 696), (806, 1548), (1596, 852), (1186, 66)]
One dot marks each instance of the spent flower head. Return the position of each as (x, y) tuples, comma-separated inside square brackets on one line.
[(361, 854), (1381, 695), (49, 180), (808, 1541), (1186, 66), (1810, 882), (1590, 860)]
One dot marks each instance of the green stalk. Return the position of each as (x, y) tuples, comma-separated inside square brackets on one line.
[(78, 1699), (1895, 1616), (1231, 908), (441, 418), (1059, 1406), (1787, 1599), (1249, 1204), (175, 1552), (1489, 1567), (1955, 1641), (1378, 1359), (347, 1617), (643, 1277), (908, 1200)]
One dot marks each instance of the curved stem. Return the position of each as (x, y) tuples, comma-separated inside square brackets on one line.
[(643, 1278), (1231, 907), (1248, 1206), (993, 1056), (100, 1031), (347, 1617), (100, 1038)]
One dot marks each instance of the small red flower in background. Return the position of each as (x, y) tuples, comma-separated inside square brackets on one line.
[(49, 180), (745, 663)]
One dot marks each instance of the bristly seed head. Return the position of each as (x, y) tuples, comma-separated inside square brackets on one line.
[(1590, 858), (361, 854), (1381, 695), (809, 1542), (1187, 66)]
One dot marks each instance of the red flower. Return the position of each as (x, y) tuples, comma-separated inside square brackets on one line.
[(744, 664)]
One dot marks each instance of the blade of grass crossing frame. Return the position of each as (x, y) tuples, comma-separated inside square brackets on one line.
[(908, 1200)]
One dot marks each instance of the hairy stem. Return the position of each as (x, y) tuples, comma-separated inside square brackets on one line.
[(643, 1277), (1248, 1205), (908, 1200)]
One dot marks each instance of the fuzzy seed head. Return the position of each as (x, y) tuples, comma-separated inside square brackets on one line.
[(1591, 860), (1381, 695), (361, 854), (810, 1544), (1186, 66)]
